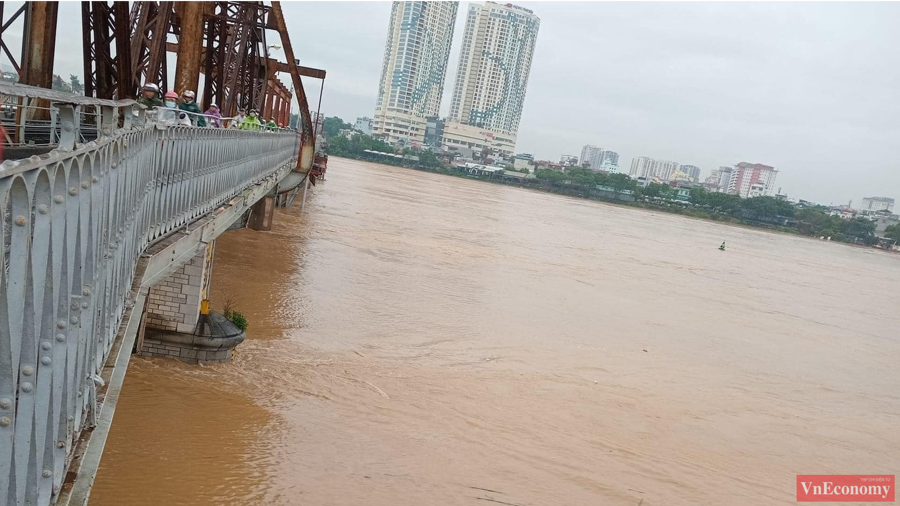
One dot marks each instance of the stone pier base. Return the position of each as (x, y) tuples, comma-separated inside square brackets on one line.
[(213, 340)]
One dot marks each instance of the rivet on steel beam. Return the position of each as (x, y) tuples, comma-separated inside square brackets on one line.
[(85, 291), (5, 403), (71, 418), (60, 444), (74, 320), (85, 185), (5, 421), (84, 305), (61, 324), (43, 209), (28, 370), (74, 305), (27, 387), (60, 337), (114, 165), (95, 179), (46, 345), (73, 191), (47, 473), (59, 199), (46, 361), (21, 221), (67, 126)]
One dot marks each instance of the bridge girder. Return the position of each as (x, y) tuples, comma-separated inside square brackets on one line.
[(107, 74)]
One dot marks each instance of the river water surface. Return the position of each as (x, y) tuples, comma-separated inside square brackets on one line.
[(422, 339)]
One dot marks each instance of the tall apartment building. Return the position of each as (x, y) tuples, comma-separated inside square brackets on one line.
[(491, 78), (692, 171), (877, 204), (752, 180), (599, 158), (644, 166), (413, 71)]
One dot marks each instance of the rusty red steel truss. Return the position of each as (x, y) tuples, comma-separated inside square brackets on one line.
[(126, 46)]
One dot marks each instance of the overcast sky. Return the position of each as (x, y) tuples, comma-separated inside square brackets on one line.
[(810, 88)]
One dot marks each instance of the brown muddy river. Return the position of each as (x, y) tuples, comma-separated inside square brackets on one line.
[(422, 339)]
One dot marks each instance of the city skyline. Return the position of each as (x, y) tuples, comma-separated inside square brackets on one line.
[(681, 81)]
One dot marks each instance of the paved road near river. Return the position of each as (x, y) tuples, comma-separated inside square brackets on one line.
[(423, 339)]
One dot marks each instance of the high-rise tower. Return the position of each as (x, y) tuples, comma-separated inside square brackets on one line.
[(414, 68), (492, 75)]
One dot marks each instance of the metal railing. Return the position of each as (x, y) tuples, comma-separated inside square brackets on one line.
[(74, 223)]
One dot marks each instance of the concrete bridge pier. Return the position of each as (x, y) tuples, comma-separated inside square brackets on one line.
[(261, 214), (177, 322)]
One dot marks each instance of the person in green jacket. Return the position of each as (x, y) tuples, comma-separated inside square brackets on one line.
[(189, 104), (271, 125), (251, 122), (150, 96)]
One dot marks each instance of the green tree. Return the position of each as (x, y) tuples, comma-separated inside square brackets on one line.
[(893, 232), (618, 181), (550, 177), (333, 125), (429, 159), (356, 146), (75, 83), (654, 190), (859, 229), (766, 208)]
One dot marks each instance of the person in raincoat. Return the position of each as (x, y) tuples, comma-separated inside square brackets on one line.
[(251, 122), (170, 113), (150, 96), (271, 125), (189, 104), (213, 116)]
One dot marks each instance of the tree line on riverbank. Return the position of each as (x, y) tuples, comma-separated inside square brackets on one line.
[(765, 212)]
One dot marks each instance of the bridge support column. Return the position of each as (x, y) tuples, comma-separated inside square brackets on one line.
[(178, 323), (261, 214), (174, 303)]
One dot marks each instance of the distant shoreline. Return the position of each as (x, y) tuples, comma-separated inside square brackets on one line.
[(635, 206)]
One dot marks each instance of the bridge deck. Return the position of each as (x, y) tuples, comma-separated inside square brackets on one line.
[(86, 228)]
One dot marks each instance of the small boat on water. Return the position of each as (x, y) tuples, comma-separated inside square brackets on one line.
[(722, 247)]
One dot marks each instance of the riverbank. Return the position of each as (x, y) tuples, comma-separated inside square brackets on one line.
[(581, 193)]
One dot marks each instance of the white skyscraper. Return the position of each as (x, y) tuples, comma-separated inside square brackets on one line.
[(877, 204), (599, 158), (491, 78), (644, 166), (414, 68)]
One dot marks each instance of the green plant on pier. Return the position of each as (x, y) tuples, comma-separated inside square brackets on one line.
[(238, 320)]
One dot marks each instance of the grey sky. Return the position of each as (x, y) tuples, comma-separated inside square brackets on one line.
[(811, 88)]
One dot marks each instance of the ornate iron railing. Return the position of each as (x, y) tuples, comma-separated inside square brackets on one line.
[(75, 221)]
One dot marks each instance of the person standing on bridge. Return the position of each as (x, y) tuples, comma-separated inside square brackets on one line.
[(271, 125), (238, 120), (213, 116), (150, 96), (189, 104), (251, 122)]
